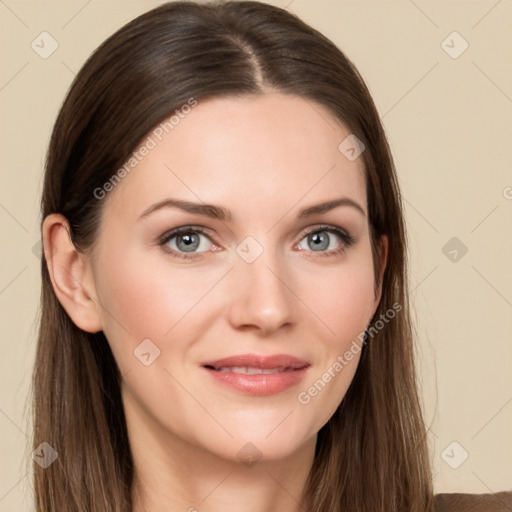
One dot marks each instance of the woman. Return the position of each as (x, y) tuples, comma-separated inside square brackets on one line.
[(225, 319)]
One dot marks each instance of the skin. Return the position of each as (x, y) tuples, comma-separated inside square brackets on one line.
[(264, 158)]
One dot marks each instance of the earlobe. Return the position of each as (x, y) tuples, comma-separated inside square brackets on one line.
[(71, 274)]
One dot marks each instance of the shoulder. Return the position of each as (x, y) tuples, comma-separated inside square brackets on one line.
[(461, 502)]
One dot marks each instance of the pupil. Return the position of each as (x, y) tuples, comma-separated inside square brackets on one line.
[(188, 241), (322, 239)]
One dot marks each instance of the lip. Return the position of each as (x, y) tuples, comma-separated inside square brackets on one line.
[(293, 372), (259, 361)]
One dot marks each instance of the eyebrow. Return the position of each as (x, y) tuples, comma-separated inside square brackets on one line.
[(223, 214)]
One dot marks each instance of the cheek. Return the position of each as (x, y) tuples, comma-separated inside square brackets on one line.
[(344, 309), (341, 297), (342, 300), (136, 301), (144, 296)]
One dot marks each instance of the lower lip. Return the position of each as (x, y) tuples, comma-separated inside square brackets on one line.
[(259, 384)]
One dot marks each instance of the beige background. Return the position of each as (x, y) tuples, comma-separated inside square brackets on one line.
[(449, 125)]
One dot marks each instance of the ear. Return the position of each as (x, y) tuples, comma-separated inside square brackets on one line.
[(71, 274), (383, 251)]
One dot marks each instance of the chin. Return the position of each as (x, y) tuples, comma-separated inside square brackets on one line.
[(260, 444)]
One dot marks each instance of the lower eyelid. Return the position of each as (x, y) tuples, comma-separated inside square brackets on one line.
[(346, 241), (166, 239)]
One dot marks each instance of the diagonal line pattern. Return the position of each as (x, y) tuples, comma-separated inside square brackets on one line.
[(492, 81), (421, 282), (301, 300), (413, 87), (76, 14), (491, 286), (12, 280), (318, 112), (422, 216), (286, 491), (485, 15), (167, 167), (13, 13), (66, 66), (13, 218), (302, 197), (217, 486), (484, 218), (424, 13), (492, 419), (96, 301), (505, 505), (14, 423), (199, 403), (191, 308), (19, 481), (289, 9), (13, 77), (279, 424)]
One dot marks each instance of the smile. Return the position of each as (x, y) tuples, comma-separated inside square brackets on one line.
[(257, 375), (249, 370)]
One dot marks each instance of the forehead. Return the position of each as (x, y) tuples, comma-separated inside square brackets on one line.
[(254, 155)]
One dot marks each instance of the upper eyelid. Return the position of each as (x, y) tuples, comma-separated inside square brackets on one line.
[(202, 230)]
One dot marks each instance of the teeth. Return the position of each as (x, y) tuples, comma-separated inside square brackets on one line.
[(249, 370)]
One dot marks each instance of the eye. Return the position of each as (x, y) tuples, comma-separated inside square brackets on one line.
[(185, 241), (321, 238)]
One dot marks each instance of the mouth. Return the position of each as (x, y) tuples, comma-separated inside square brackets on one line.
[(257, 375), (250, 370)]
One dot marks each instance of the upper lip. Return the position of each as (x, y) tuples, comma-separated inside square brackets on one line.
[(259, 361)]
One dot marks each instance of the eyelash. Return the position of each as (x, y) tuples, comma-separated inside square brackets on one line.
[(347, 239)]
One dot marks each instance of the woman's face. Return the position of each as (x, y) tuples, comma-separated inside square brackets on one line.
[(263, 280)]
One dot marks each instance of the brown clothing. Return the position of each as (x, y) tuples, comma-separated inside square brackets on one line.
[(461, 502)]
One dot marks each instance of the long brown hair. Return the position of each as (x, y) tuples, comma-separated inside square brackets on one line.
[(372, 455)]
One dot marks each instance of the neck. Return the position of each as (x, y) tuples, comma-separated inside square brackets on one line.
[(175, 475)]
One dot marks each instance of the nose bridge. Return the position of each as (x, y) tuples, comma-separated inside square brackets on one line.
[(263, 296)]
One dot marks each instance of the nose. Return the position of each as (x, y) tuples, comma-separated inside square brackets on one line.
[(261, 295)]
